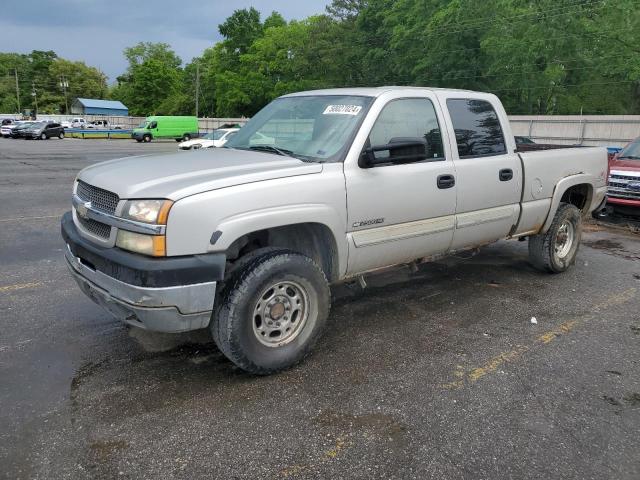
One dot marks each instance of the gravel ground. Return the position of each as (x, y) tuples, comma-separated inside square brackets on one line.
[(436, 374)]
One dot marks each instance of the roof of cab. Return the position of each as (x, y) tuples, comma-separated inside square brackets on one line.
[(367, 91)]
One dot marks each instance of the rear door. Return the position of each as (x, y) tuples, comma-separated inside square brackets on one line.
[(398, 212), (488, 171)]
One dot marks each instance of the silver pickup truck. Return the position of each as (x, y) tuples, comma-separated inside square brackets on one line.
[(319, 187)]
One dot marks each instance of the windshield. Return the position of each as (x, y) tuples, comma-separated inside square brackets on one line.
[(631, 151), (312, 128), (37, 125), (143, 125)]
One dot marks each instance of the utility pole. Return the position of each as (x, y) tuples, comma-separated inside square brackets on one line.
[(35, 98), (64, 84), (197, 86), (17, 90)]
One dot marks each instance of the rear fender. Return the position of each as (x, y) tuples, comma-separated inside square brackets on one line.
[(564, 185)]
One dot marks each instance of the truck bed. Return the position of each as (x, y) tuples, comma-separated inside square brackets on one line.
[(543, 170)]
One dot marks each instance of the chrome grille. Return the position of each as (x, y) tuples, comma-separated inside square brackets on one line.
[(99, 229), (619, 186), (100, 199)]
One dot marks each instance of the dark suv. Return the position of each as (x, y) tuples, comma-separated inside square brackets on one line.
[(44, 130)]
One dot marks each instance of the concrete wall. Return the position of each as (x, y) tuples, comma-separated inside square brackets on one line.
[(596, 130), (599, 130)]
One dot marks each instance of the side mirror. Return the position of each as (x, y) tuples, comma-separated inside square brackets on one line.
[(400, 150)]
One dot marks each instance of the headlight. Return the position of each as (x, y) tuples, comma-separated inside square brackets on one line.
[(153, 245), (147, 211)]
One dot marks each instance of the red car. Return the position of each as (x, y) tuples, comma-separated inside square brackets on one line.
[(623, 193)]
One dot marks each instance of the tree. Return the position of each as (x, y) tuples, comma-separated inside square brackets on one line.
[(152, 82)]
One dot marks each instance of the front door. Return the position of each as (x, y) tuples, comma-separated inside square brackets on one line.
[(400, 210)]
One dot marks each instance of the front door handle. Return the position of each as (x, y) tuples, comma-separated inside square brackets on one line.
[(506, 174), (446, 181)]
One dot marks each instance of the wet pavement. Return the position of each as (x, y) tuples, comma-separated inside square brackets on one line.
[(437, 373)]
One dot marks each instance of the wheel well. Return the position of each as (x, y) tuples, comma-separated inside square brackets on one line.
[(314, 240), (578, 195)]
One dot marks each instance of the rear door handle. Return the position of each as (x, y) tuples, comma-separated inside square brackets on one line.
[(446, 181), (506, 174)]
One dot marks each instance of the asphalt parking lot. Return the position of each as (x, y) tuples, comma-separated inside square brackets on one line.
[(436, 374)]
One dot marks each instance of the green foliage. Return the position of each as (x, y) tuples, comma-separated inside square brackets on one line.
[(539, 57), (44, 73)]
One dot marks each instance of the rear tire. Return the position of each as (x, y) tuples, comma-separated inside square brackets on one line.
[(556, 250), (186, 137), (146, 138), (271, 312), (61, 135)]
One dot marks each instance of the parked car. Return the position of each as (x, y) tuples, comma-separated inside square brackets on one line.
[(77, 123), (246, 239), (103, 125), (18, 130), (5, 129), (7, 121), (217, 138), (178, 128), (623, 194), (44, 131)]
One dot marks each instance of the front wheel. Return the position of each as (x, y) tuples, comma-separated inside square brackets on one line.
[(556, 250), (271, 312), (146, 138), (43, 136)]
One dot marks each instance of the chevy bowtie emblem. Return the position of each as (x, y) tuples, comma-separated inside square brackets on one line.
[(82, 209)]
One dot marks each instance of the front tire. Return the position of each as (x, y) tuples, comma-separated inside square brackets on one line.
[(271, 312), (146, 138), (556, 250), (43, 136)]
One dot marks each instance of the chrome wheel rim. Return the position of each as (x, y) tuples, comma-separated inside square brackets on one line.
[(280, 313), (564, 239)]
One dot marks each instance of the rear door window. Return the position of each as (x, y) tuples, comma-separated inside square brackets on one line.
[(477, 127)]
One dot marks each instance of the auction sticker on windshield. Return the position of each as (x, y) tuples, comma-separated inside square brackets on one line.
[(342, 110)]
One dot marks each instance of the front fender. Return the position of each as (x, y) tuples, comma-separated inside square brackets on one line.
[(236, 226)]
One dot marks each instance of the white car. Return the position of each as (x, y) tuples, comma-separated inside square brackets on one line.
[(217, 138), (5, 130), (75, 123)]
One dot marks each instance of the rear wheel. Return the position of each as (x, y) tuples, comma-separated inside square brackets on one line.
[(61, 135), (146, 138), (186, 137), (556, 250), (271, 312)]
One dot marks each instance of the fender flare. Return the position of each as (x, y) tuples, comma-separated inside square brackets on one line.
[(561, 187), (236, 226)]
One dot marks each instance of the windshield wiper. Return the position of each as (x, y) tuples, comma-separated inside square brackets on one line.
[(271, 148), (632, 157)]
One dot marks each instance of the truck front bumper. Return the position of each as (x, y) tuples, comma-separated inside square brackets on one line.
[(172, 294)]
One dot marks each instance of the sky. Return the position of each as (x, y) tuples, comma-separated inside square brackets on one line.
[(97, 31)]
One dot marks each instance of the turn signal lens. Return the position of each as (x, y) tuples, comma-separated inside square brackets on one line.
[(152, 245)]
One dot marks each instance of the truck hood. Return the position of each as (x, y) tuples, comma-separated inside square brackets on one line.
[(178, 175), (624, 165)]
